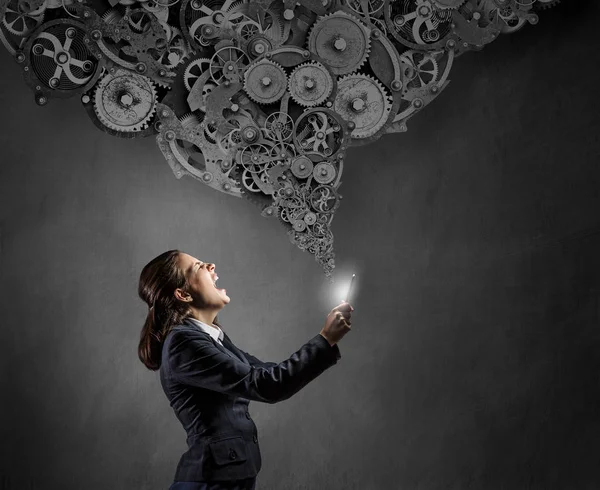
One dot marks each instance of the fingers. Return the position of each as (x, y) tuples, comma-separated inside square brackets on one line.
[(345, 306)]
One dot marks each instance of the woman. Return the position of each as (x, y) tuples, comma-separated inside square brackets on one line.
[(208, 380)]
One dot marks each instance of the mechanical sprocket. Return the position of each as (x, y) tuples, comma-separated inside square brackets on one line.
[(364, 101), (341, 40), (125, 101), (310, 84), (265, 81)]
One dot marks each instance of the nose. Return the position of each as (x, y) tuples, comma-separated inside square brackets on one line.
[(210, 266)]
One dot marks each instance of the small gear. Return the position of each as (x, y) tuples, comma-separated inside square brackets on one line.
[(424, 68), (324, 172), (341, 40), (279, 126), (193, 71), (364, 101), (125, 101), (265, 81), (310, 84), (302, 167)]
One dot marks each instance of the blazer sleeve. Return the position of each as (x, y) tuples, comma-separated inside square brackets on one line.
[(196, 361), (257, 362)]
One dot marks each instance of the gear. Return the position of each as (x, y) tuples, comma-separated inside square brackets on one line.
[(364, 101), (424, 68), (310, 84), (193, 71), (279, 126), (324, 172), (302, 167), (21, 23), (228, 63), (265, 82), (319, 132), (341, 41), (125, 101), (324, 199)]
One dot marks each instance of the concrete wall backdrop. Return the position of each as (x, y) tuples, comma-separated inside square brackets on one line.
[(473, 358)]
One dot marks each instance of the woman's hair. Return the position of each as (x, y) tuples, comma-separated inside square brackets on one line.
[(158, 281)]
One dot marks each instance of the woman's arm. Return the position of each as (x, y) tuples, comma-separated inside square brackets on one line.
[(194, 360)]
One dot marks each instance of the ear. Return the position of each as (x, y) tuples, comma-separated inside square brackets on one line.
[(181, 295)]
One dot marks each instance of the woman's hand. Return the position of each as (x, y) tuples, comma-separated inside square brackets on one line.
[(338, 323)]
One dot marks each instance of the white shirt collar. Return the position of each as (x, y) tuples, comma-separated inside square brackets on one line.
[(213, 330)]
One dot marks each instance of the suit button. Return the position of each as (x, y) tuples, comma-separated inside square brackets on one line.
[(248, 415), (255, 438), (232, 454)]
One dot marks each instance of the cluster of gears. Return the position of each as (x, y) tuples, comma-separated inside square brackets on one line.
[(259, 99)]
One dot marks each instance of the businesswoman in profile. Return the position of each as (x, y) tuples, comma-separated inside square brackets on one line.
[(208, 380)]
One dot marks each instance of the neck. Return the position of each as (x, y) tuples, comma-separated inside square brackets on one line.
[(205, 316)]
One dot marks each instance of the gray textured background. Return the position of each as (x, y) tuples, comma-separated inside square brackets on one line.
[(473, 358)]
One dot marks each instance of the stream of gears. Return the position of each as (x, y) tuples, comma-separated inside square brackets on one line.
[(258, 99)]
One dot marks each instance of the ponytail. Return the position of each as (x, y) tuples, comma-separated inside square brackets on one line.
[(150, 346)]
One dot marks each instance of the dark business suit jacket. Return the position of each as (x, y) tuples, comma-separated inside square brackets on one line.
[(210, 387)]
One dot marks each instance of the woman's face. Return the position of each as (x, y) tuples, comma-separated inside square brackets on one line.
[(201, 277)]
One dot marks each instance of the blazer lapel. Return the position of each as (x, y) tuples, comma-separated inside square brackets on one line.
[(229, 345)]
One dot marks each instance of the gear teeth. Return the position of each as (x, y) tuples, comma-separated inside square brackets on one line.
[(326, 94), (249, 91), (111, 16), (317, 25), (388, 102), (139, 126)]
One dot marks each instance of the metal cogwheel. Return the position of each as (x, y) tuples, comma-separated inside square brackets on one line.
[(265, 81), (20, 23), (424, 68), (310, 84), (364, 101), (324, 172), (302, 167), (193, 71), (341, 40), (125, 101)]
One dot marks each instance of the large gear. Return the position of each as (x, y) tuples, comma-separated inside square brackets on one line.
[(125, 101), (265, 81), (364, 101), (341, 40), (310, 84)]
